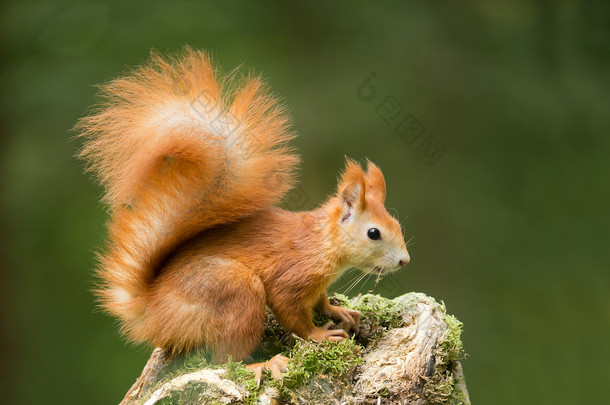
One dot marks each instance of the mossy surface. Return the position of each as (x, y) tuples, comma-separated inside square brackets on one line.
[(442, 387), (331, 359), (379, 311), (332, 363)]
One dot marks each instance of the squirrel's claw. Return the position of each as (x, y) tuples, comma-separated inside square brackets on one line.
[(258, 372), (325, 333), (277, 365), (350, 318), (328, 325)]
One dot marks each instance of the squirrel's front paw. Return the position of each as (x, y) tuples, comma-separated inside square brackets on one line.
[(325, 333), (349, 318)]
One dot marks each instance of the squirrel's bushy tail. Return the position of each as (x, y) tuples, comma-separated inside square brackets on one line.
[(179, 151)]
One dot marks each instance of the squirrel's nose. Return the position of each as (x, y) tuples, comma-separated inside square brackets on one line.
[(404, 260)]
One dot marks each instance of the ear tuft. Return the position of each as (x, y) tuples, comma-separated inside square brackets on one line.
[(352, 186), (349, 195), (375, 182)]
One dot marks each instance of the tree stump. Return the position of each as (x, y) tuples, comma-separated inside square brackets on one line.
[(408, 351)]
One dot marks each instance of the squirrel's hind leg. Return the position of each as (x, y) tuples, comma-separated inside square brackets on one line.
[(208, 302), (242, 315)]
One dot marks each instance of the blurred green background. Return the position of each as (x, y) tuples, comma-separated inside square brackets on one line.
[(510, 225)]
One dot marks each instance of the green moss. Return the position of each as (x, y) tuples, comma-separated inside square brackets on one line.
[(239, 374), (307, 360), (378, 310), (332, 359), (319, 319), (340, 299), (452, 344)]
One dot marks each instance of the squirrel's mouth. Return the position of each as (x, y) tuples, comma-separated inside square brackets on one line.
[(381, 270)]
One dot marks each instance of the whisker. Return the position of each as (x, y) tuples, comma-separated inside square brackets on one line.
[(346, 284), (355, 283), (350, 284), (368, 276)]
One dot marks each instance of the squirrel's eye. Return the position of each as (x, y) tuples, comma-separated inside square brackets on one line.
[(374, 234)]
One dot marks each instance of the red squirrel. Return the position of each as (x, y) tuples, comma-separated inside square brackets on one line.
[(192, 166)]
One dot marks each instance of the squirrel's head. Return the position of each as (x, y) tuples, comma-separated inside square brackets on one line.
[(370, 238)]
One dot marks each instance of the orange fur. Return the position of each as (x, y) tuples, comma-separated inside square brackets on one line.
[(192, 169)]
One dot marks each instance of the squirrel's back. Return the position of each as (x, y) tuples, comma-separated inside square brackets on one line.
[(179, 151)]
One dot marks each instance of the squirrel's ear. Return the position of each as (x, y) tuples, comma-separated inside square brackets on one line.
[(352, 196), (352, 188), (375, 182)]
